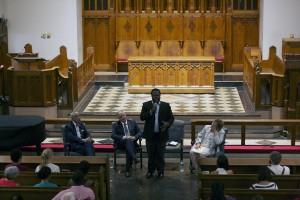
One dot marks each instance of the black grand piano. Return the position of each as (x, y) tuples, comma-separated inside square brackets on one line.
[(18, 131)]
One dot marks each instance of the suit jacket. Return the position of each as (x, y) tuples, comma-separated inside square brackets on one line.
[(165, 114), (70, 134), (118, 130)]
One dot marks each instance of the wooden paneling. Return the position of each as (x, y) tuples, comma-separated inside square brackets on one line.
[(193, 27), (170, 24), (97, 34), (214, 27), (171, 74), (147, 27), (234, 23), (244, 33)]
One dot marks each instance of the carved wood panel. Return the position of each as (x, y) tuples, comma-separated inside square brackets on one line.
[(147, 27)]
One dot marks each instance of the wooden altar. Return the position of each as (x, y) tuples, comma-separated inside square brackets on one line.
[(171, 74)]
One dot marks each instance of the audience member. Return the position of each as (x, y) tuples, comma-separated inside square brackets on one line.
[(44, 174), (207, 142), (81, 192), (275, 167), (125, 133), (264, 180), (46, 161), (217, 192), (16, 158), (78, 137), (10, 175), (222, 166), (84, 167)]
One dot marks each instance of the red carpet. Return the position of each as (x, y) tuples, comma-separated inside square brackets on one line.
[(228, 148)]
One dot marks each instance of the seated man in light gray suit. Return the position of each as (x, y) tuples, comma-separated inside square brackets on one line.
[(125, 133)]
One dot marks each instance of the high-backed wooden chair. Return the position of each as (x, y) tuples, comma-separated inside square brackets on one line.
[(215, 48), (192, 48), (148, 48), (125, 49), (170, 48)]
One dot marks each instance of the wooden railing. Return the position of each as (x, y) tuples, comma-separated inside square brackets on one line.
[(291, 124), (264, 78), (83, 75)]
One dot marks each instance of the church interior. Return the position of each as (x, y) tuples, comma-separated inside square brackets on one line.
[(234, 60)]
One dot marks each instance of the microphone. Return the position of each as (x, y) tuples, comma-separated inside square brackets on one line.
[(154, 107)]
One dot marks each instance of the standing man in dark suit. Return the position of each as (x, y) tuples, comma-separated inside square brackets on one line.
[(78, 137), (125, 133), (158, 118)]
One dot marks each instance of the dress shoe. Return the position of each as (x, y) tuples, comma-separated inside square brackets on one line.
[(160, 174), (127, 174), (149, 175)]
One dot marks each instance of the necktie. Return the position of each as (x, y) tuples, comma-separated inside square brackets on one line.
[(126, 131)]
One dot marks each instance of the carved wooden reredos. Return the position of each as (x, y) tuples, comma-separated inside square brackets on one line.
[(121, 28)]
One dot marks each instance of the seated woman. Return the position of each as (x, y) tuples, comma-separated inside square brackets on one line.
[(46, 161), (207, 141), (222, 166), (264, 180), (44, 174)]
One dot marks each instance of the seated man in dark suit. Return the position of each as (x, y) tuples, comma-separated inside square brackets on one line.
[(78, 137), (125, 133)]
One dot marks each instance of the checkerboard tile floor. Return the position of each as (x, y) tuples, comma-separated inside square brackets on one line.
[(111, 99)]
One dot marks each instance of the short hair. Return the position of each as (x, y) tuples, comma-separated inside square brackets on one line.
[(78, 178), (121, 112), (46, 155), (84, 167), (11, 172), (264, 174), (16, 155), (44, 172), (74, 114), (275, 157), (155, 89), (219, 124), (222, 162)]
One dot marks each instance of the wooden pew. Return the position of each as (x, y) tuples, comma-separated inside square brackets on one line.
[(248, 165), (97, 164), (62, 179), (246, 194), (244, 181), (29, 193)]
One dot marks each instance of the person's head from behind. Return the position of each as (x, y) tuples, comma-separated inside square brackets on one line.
[(16, 155), (46, 156), (264, 174), (44, 173), (69, 196), (78, 178), (217, 125), (155, 94), (84, 167), (217, 191), (11, 172), (75, 117), (16, 197), (222, 162), (275, 158), (122, 116)]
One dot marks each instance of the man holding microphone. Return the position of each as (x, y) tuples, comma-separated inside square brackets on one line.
[(158, 118)]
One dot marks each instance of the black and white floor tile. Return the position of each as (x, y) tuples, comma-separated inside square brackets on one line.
[(111, 99)]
